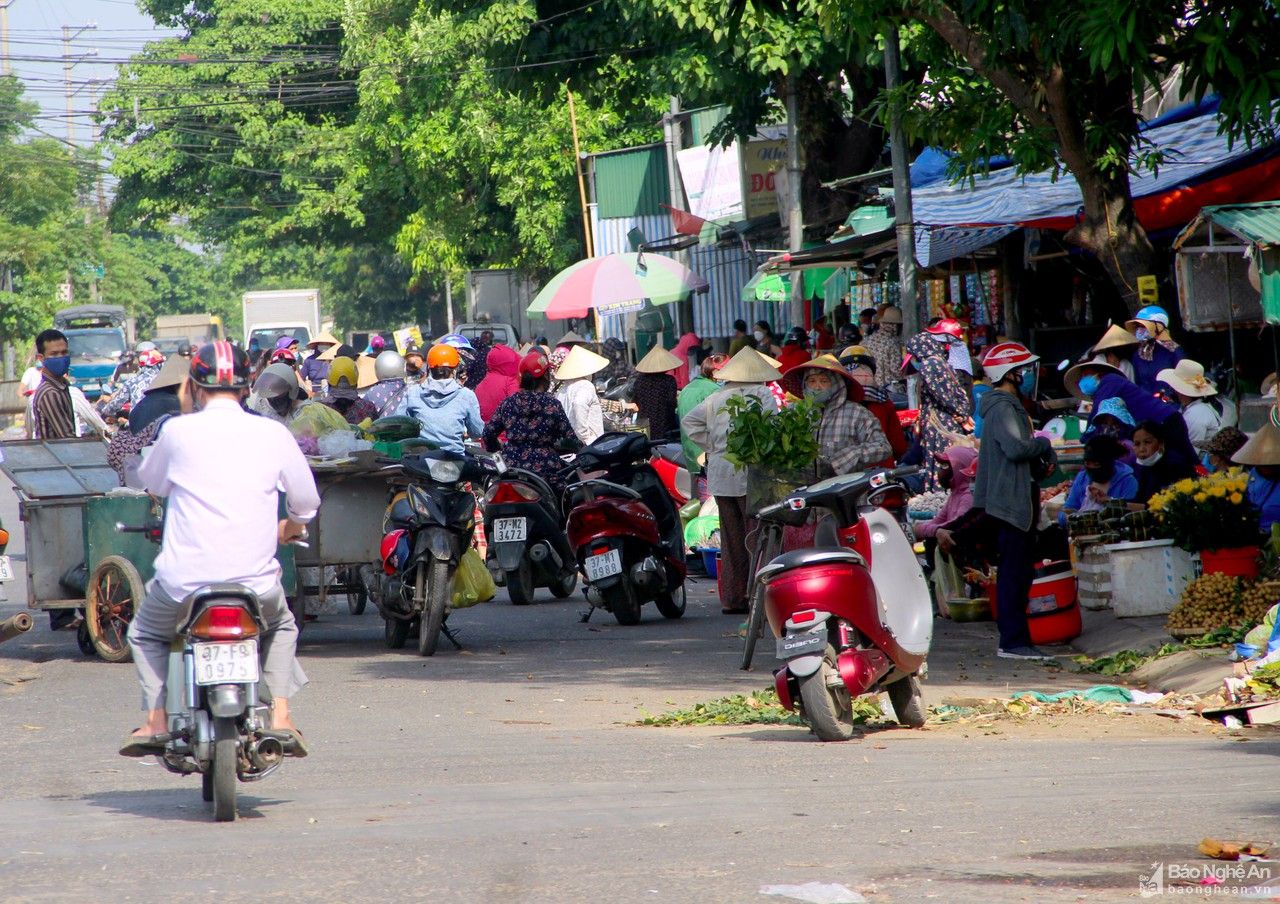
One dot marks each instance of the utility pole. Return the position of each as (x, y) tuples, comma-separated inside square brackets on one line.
[(5, 68), (70, 33), (672, 139), (904, 220), (795, 210)]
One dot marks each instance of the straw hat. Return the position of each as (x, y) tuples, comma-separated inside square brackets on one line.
[(773, 362), (890, 315), (793, 380), (367, 375), (173, 373), (658, 361), (580, 362), (1072, 378), (1116, 336), (749, 366), (325, 338), (1187, 378), (1263, 448), (570, 338)]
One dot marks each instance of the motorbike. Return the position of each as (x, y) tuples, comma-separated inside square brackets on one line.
[(527, 544), (625, 530), (852, 615), (219, 711), (429, 525)]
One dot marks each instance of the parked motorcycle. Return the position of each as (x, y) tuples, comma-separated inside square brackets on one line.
[(219, 711), (527, 544), (428, 526), (853, 615), (625, 530)]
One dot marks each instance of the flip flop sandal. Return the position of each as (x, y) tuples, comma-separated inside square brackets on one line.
[(144, 745)]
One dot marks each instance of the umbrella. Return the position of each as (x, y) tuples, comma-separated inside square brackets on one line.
[(615, 284)]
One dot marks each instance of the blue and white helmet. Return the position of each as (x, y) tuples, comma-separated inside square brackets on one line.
[(460, 342), (1152, 313)]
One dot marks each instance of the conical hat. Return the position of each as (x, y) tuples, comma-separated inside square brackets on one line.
[(367, 374), (173, 373), (793, 379), (569, 338), (771, 361), (322, 339), (580, 362), (1073, 375), (1263, 448), (1116, 336), (748, 366), (329, 353), (658, 361)]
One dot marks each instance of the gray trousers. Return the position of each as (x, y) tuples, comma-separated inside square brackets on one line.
[(155, 623)]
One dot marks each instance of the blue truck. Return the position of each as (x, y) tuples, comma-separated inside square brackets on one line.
[(99, 336)]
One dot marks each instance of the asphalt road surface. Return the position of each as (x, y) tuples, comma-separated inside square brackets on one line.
[(514, 771)]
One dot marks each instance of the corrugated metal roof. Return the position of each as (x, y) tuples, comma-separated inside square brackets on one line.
[(1258, 223), (701, 122), (632, 183)]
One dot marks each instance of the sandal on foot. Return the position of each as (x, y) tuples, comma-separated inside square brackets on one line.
[(144, 745)]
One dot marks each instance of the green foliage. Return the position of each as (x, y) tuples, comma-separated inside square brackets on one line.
[(1265, 681), (1126, 661), (775, 440), (759, 708)]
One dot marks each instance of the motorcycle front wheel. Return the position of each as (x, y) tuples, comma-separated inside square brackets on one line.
[(223, 770), (826, 703), (439, 589)]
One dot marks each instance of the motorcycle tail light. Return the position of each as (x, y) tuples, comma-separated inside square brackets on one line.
[(801, 618), (593, 520), (224, 623), (507, 491)]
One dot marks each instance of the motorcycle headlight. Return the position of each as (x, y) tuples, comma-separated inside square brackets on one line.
[(443, 471)]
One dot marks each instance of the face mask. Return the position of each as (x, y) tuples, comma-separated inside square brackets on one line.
[(1089, 385), (1150, 459), (58, 366), (412, 369), (759, 334), (1102, 473), (1027, 385), (1143, 334), (820, 396), (280, 405)]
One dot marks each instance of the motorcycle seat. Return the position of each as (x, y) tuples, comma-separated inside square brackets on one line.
[(578, 491), (672, 452), (802, 557)]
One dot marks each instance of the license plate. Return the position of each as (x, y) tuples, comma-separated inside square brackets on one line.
[(226, 663), (604, 565), (794, 645), (6, 569), (510, 530)]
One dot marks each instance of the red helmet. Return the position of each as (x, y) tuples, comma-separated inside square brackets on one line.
[(220, 365), (535, 364), (284, 356), (390, 557), (947, 327), (1004, 357)]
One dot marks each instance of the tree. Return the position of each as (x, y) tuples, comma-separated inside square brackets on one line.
[(1058, 84)]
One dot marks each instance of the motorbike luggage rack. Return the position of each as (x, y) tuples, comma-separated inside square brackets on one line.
[(588, 490)]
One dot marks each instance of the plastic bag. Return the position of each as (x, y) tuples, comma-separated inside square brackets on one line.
[(314, 419), (472, 584)]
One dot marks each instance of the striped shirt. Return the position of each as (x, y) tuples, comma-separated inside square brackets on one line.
[(52, 413)]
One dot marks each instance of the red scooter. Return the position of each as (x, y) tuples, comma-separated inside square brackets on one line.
[(625, 530), (853, 615)]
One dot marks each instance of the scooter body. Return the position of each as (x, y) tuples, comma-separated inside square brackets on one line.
[(625, 530), (526, 538), (853, 615)]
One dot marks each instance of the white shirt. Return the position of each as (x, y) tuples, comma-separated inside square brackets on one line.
[(582, 405), (1202, 421), (30, 380), (221, 469)]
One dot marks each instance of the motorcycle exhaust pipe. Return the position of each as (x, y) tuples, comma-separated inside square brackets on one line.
[(648, 574), (540, 552), (266, 753), (11, 628)]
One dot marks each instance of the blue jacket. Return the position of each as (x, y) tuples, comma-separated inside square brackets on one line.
[(1265, 494), (1124, 485), (1144, 372), (446, 410)]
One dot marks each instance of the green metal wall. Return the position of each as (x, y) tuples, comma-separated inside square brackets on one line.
[(632, 183)]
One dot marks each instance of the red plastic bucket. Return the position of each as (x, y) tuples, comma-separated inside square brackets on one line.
[(1240, 561), (1053, 613)]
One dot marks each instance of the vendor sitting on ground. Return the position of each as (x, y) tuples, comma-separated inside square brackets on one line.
[(1112, 418), (1220, 447), (1262, 454), (958, 467), (1159, 464), (1104, 478)]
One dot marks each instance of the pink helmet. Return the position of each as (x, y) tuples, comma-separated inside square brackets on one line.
[(948, 327), (1004, 357)]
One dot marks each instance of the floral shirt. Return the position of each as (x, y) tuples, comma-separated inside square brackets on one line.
[(534, 424)]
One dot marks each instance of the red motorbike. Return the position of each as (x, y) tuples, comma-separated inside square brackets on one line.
[(625, 530), (853, 615)]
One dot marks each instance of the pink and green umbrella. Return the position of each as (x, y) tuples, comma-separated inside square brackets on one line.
[(615, 284)]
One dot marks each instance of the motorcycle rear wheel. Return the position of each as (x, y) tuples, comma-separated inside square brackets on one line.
[(622, 602), (439, 590), (827, 709), (908, 702), (520, 583), (672, 605), (223, 768), (564, 587)]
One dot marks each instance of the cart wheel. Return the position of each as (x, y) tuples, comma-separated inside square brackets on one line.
[(84, 641), (357, 595), (115, 592)]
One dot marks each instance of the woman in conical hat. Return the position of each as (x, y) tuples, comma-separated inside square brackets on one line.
[(654, 391), (1116, 347), (1262, 455)]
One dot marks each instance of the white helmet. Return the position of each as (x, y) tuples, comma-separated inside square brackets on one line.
[(389, 365)]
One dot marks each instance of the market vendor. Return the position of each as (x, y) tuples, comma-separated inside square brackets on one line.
[(1159, 464), (1117, 346), (1097, 381), (1112, 418), (862, 367), (1156, 349), (1194, 391), (1103, 479), (1262, 454), (1220, 447), (959, 465), (849, 436)]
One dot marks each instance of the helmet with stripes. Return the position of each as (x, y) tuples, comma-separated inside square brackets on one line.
[(220, 365)]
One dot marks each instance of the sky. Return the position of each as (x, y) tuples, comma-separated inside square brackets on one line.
[(35, 50)]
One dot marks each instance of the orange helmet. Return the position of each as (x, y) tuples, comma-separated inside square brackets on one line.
[(443, 356)]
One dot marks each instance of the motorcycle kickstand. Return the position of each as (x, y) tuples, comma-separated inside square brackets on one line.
[(453, 638)]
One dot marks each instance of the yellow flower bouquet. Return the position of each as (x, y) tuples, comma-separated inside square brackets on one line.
[(1210, 512)]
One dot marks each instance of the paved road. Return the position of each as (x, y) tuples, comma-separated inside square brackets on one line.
[(513, 772)]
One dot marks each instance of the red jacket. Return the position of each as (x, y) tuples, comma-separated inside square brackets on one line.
[(887, 415), (500, 381)]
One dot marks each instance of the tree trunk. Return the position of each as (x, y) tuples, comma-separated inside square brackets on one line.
[(1111, 231)]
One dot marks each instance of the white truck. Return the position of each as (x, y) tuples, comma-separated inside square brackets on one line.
[(175, 330), (281, 312)]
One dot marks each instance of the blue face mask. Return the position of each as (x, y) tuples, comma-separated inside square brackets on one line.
[(58, 366), (1089, 385), (1027, 385)]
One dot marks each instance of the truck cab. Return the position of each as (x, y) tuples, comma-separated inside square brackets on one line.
[(98, 340)]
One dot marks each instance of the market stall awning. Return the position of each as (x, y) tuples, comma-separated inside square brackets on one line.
[(1207, 267), (842, 253), (1258, 224)]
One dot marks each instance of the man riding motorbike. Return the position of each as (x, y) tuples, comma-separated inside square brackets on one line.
[(221, 468)]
